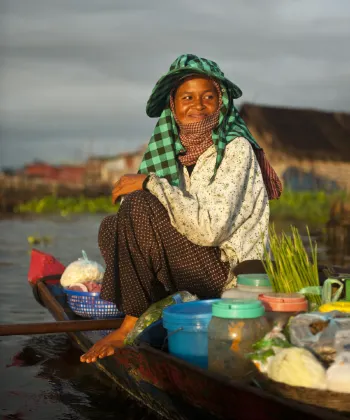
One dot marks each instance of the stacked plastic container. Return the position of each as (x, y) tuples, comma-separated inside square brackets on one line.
[(249, 286), (280, 307)]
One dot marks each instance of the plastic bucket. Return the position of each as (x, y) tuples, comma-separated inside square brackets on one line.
[(187, 328)]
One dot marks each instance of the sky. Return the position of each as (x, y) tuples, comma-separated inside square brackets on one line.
[(75, 75)]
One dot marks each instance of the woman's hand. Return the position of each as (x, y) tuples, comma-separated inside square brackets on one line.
[(127, 184)]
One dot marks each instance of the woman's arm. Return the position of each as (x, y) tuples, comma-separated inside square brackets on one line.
[(217, 210)]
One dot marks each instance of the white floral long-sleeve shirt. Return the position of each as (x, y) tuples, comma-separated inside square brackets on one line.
[(231, 213)]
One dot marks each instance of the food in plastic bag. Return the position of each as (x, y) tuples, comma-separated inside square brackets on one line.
[(154, 312), (342, 341), (267, 348), (297, 367), (81, 271), (88, 286), (316, 331), (338, 375)]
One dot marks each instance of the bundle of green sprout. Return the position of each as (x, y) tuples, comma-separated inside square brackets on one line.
[(289, 267)]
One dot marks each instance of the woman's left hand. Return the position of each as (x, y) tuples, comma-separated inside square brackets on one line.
[(127, 184)]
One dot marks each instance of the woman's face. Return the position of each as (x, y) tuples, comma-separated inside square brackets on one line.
[(195, 99)]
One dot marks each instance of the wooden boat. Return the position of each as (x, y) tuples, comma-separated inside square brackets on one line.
[(174, 388)]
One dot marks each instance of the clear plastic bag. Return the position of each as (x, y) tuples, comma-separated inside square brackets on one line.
[(317, 332), (154, 312), (81, 271), (338, 375)]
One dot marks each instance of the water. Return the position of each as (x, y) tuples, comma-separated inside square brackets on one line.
[(41, 376)]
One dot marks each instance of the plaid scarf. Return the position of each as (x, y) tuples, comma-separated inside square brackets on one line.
[(165, 146)]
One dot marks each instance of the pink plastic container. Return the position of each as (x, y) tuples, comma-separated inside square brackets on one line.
[(279, 307)]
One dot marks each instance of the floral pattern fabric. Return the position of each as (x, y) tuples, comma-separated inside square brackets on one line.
[(231, 212)]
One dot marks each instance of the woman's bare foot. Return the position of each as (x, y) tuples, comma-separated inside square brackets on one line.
[(107, 345)]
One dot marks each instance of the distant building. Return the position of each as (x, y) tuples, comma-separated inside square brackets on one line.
[(64, 174), (41, 170), (71, 174), (94, 167), (309, 149), (124, 163)]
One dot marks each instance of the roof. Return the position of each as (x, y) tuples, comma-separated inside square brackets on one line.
[(303, 133)]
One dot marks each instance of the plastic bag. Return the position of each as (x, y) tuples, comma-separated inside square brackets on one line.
[(154, 312), (338, 375), (297, 367), (317, 331), (266, 349), (81, 271)]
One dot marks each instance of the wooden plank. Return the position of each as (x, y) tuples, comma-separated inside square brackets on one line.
[(59, 327)]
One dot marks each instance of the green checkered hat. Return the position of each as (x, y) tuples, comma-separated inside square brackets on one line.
[(165, 146), (184, 65)]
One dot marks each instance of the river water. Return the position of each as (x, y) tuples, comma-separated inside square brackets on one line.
[(41, 376)]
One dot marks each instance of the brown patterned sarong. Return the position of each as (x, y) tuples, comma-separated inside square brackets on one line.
[(147, 259)]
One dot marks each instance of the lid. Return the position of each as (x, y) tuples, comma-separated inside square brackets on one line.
[(189, 312), (284, 302), (238, 308), (335, 306), (255, 280)]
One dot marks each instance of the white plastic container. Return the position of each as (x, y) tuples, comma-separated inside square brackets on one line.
[(249, 286)]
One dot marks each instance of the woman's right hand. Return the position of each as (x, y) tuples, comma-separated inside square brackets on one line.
[(127, 184)]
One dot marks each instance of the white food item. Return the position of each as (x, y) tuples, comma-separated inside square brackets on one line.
[(81, 271), (297, 367), (338, 375)]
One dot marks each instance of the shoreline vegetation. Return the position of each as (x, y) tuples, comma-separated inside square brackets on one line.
[(307, 206)]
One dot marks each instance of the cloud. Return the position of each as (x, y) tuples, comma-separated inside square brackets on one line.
[(76, 71)]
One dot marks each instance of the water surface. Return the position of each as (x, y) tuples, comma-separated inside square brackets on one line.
[(41, 376)]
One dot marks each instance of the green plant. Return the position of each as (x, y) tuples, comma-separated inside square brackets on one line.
[(288, 265), (67, 205), (311, 207)]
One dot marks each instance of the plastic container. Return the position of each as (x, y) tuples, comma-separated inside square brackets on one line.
[(249, 286), (235, 326), (187, 328), (280, 307), (89, 305)]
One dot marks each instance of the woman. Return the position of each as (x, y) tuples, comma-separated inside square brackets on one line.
[(198, 206)]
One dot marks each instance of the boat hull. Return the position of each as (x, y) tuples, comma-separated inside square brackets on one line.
[(175, 389)]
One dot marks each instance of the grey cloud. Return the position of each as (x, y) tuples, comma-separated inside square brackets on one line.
[(76, 69)]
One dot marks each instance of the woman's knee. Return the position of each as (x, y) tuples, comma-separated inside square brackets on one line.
[(135, 202), (107, 230)]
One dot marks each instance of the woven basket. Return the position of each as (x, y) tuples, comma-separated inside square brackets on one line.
[(321, 398)]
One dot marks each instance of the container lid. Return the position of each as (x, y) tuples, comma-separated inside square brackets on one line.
[(254, 280), (238, 308), (335, 306), (195, 312), (284, 302)]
